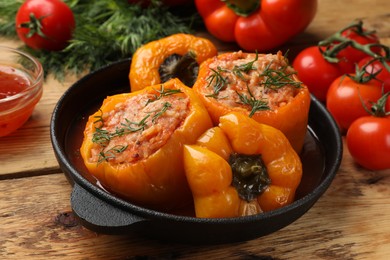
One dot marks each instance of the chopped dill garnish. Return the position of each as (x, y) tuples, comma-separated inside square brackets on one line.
[(111, 153), (102, 137), (219, 81), (255, 104), (165, 107), (163, 93), (276, 79), (244, 68)]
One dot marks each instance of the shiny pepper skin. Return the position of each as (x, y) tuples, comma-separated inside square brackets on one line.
[(261, 25), (291, 119), (210, 176), (148, 59), (156, 180)]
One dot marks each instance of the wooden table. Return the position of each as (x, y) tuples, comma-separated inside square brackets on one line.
[(351, 220)]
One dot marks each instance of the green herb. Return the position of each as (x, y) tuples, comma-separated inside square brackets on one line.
[(8, 10), (255, 104), (111, 153), (163, 93), (276, 79), (106, 31), (219, 81), (140, 126), (165, 107), (103, 137), (244, 68)]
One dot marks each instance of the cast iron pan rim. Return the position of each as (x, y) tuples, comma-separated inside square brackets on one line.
[(152, 214)]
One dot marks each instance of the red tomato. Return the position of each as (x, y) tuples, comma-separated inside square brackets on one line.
[(383, 78), (345, 99), (315, 72), (55, 19), (352, 55), (368, 141)]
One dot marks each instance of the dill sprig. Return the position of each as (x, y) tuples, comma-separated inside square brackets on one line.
[(278, 78), (255, 104), (106, 31), (102, 137), (238, 70), (111, 153), (163, 93), (164, 108), (219, 81)]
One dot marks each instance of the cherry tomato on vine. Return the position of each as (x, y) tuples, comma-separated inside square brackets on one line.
[(368, 141), (347, 100), (315, 72), (45, 24), (383, 77), (352, 55)]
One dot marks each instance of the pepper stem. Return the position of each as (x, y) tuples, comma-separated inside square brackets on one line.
[(250, 175), (243, 7)]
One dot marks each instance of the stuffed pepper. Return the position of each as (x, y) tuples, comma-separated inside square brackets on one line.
[(133, 144), (175, 56), (263, 86), (241, 167)]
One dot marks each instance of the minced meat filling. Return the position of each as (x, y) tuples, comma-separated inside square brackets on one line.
[(138, 127), (264, 77)]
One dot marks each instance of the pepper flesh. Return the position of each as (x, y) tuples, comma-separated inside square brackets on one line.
[(291, 118), (156, 180), (146, 61), (210, 176)]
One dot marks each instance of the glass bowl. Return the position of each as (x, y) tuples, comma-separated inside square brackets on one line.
[(21, 80)]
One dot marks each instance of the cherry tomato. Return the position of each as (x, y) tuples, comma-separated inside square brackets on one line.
[(315, 72), (345, 99), (352, 55), (368, 141), (45, 24), (383, 77)]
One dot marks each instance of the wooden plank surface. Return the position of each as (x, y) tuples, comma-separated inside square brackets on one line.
[(27, 150), (349, 222)]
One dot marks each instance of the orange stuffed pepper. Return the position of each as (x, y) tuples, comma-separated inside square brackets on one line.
[(175, 56), (134, 143), (263, 86), (241, 168)]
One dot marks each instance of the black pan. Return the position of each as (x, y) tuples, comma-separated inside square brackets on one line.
[(103, 212)]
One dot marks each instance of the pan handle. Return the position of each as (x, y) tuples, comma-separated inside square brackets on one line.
[(100, 216)]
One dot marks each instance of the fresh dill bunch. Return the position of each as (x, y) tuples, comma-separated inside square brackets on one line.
[(8, 10), (106, 31)]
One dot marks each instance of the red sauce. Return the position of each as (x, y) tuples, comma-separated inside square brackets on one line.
[(14, 112), (11, 82)]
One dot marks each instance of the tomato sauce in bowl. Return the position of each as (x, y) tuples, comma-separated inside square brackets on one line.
[(21, 79)]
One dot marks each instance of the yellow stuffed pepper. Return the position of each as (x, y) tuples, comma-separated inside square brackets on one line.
[(133, 144), (263, 86), (175, 56), (241, 167)]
